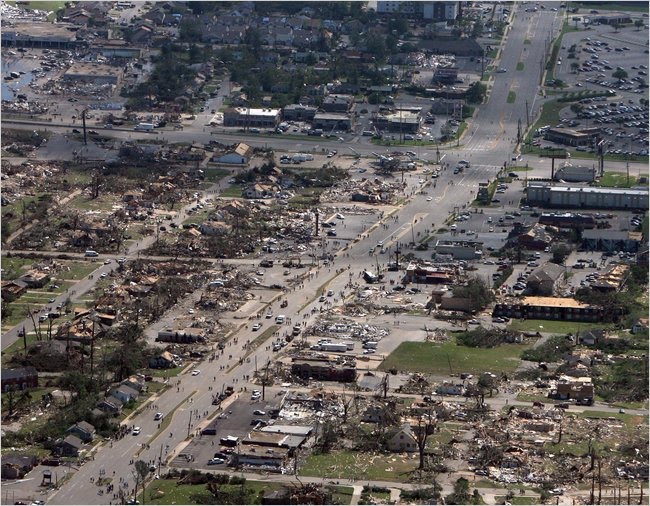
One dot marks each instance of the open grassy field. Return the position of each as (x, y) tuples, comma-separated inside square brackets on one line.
[(232, 191), (170, 492), (213, 174), (13, 267), (77, 270), (553, 326), (613, 6), (164, 373), (450, 357), (47, 5), (362, 466), (617, 180), (101, 203)]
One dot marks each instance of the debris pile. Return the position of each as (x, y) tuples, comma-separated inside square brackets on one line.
[(376, 191)]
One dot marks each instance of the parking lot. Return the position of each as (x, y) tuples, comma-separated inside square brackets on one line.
[(235, 420), (588, 60)]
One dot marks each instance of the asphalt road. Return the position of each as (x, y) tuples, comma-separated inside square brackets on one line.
[(489, 141)]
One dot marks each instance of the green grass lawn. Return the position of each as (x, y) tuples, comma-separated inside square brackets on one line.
[(553, 326), (355, 465), (617, 180), (512, 96), (14, 267), (15, 209), (170, 492), (440, 358), (214, 175), (18, 346), (163, 373), (379, 497), (342, 495), (520, 66), (609, 157), (47, 5), (197, 217), (613, 6), (550, 115), (101, 203), (35, 397), (232, 191), (517, 500), (627, 419)]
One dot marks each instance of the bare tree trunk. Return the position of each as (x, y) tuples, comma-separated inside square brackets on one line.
[(600, 484)]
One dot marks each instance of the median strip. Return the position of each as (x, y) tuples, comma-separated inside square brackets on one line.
[(167, 419)]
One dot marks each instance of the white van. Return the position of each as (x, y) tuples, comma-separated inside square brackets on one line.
[(280, 319), (91, 253)]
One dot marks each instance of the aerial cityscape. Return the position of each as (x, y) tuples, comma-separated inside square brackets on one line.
[(273, 252)]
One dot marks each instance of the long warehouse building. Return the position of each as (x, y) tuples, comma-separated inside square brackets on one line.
[(586, 197)]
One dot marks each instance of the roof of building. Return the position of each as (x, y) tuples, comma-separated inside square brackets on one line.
[(73, 440), (539, 233), (568, 132), (253, 111), (126, 389), (464, 244), (589, 189), (338, 99), (17, 460), (609, 235), (297, 430), (402, 117), (569, 379), (270, 438), (91, 69), (62, 32), (113, 400), (553, 302), (85, 426), (338, 116), (166, 356), (546, 272), (243, 150), (19, 372), (263, 451), (300, 107)]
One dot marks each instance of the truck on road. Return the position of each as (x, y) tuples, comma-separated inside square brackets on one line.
[(144, 127), (340, 347), (302, 157)]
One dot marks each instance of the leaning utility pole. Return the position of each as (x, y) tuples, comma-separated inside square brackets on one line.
[(527, 116), (83, 120)]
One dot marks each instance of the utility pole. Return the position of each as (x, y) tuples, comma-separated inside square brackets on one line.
[(518, 130), (83, 120), (189, 424), (527, 116), (160, 458)]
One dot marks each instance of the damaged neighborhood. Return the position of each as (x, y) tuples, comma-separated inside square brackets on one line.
[(384, 252)]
